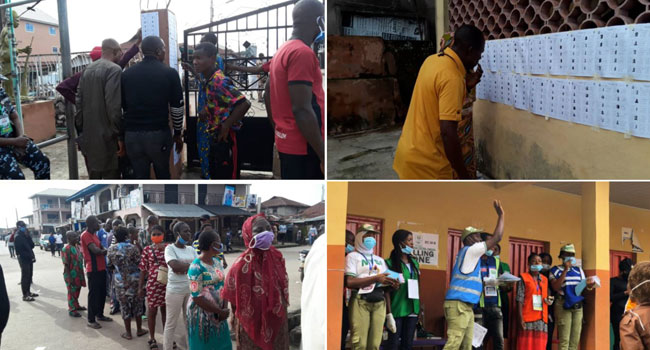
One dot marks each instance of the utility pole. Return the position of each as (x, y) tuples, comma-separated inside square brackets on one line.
[(66, 61)]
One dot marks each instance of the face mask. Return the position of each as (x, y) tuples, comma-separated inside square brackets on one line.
[(536, 268), (639, 285), (497, 257), (321, 36), (181, 240), (570, 258), (546, 267), (157, 239), (489, 252), (349, 249), (263, 240), (217, 248), (369, 242), (407, 250)]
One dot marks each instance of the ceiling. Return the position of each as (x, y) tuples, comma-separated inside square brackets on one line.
[(634, 194)]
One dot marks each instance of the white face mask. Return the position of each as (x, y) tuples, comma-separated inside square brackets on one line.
[(639, 285)]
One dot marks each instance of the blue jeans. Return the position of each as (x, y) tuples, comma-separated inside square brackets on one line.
[(403, 338)]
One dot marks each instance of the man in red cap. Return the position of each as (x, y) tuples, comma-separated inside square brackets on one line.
[(68, 87)]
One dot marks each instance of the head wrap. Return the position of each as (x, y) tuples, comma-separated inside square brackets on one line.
[(257, 286)]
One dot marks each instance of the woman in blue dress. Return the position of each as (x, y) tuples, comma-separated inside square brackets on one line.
[(207, 314)]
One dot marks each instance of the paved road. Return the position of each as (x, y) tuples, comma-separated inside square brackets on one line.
[(45, 324)]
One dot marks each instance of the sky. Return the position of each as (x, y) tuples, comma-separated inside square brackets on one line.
[(307, 192), (91, 21)]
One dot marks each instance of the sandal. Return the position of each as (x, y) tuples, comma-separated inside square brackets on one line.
[(152, 344), (142, 332), (82, 308), (126, 336), (74, 314)]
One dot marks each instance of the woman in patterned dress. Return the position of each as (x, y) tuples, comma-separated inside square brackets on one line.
[(153, 257), (207, 314), (123, 259), (73, 273), (466, 124), (257, 287)]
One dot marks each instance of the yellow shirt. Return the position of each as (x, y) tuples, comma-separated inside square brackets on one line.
[(438, 95)]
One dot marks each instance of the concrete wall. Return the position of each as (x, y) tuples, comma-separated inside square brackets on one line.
[(515, 144), (43, 40), (39, 121)]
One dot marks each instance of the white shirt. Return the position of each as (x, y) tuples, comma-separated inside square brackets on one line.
[(178, 283), (59, 238), (314, 297), (472, 257), (313, 231), (358, 265)]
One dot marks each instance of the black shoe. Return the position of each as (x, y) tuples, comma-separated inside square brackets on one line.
[(28, 298), (33, 295), (94, 325), (104, 319)]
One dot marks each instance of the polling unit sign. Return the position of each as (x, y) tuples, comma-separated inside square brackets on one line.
[(425, 248)]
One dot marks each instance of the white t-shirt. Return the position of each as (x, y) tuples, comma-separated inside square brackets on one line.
[(59, 238), (178, 283), (313, 299), (472, 256)]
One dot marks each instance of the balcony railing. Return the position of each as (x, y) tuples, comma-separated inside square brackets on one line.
[(159, 197)]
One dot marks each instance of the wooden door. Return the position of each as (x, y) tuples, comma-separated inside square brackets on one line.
[(615, 257), (353, 223), (453, 247)]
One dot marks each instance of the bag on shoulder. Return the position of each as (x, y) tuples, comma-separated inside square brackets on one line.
[(162, 270)]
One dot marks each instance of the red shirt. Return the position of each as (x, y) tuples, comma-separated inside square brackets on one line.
[(99, 261), (294, 63)]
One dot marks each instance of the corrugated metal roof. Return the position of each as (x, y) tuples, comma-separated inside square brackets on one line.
[(37, 15), (86, 191), (176, 210), (222, 210), (276, 201), (54, 192)]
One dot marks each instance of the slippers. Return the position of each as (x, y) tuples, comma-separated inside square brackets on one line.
[(142, 332), (152, 344), (126, 336), (74, 314)]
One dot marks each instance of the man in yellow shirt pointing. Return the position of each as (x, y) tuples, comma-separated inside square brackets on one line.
[(429, 147)]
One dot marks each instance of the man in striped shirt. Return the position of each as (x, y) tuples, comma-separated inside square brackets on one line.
[(564, 279), (151, 92)]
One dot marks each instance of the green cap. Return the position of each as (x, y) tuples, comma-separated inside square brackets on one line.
[(367, 228), (469, 231), (569, 248)]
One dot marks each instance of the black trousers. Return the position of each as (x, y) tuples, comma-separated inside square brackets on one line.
[(346, 325), (295, 167), (26, 271), (615, 317), (96, 294), (4, 302), (146, 148)]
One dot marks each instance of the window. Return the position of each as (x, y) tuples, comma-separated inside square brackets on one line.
[(55, 49), (52, 31), (29, 28), (52, 216)]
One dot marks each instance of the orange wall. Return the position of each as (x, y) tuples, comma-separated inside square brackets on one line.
[(43, 40)]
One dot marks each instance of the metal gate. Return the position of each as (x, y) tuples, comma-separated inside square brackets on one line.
[(270, 27)]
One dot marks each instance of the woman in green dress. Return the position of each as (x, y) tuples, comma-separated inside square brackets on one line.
[(207, 314)]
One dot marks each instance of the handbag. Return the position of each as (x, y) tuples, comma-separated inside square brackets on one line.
[(162, 271)]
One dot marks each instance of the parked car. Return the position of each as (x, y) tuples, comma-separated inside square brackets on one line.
[(44, 242)]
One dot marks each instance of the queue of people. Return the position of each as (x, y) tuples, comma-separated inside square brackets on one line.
[(170, 278)]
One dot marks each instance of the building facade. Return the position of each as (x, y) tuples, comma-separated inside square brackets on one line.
[(134, 203), (50, 209), (40, 26), (282, 207)]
